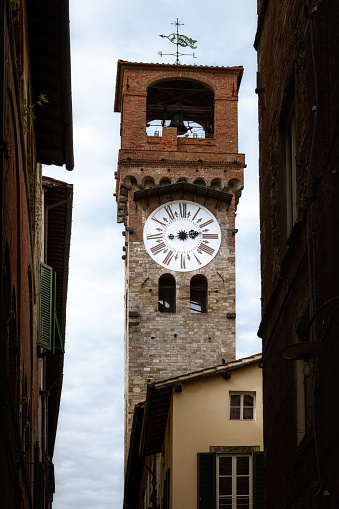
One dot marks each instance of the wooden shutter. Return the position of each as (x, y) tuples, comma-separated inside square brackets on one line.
[(57, 344), (258, 480), (46, 311), (206, 480)]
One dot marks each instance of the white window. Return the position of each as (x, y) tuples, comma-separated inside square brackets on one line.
[(242, 406), (234, 482)]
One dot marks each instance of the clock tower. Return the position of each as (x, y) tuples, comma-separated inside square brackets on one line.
[(179, 180)]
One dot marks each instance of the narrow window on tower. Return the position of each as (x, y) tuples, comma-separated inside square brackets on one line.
[(166, 294), (198, 294), (288, 147), (291, 176)]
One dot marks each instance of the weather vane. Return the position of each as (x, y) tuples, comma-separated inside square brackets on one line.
[(179, 40)]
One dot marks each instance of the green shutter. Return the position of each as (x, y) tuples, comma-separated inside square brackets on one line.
[(46, 309), (206, 480), (258, 480), (49, 332), (57, 344)]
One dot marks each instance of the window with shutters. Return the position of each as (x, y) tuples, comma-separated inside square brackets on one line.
[(233, 481), (49, 333)]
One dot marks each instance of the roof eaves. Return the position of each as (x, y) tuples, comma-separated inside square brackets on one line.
[(207, 372)]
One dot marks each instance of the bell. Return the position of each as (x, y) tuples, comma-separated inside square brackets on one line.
[(178, 123)]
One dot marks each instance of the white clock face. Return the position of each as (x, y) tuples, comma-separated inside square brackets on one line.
[(182, 236)]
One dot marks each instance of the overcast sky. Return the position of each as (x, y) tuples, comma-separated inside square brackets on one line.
[(89, 447)]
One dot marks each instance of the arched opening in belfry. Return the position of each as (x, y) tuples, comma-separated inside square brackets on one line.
[(198, 294), (186, 105), (166, 294)]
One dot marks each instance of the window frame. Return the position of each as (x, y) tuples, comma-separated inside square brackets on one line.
[(242, 394), (234, 477), (206, 474)]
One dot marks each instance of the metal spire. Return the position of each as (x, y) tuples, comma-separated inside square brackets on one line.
[(179, 40)]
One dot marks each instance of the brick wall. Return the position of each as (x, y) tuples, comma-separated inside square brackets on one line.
[(297, 46), (160, 345), (21, 182)]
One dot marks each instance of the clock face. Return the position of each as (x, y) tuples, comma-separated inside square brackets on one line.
[(182, 236)]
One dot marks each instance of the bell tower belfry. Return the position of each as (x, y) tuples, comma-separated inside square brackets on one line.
[(179, 180)]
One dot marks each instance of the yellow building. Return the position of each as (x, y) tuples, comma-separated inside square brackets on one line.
[(197, 441)]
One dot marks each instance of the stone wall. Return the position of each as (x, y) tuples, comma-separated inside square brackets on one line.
[(160, 345)]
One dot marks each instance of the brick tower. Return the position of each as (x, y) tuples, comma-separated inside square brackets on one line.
[(179, 180)]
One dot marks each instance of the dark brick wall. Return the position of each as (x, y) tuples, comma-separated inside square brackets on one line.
[(19, 365), (298, 52)]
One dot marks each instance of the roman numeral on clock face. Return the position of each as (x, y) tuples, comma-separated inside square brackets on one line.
[(195, 215), (183, 209), (155, 236), (158, 248), (182, 261), (169, 212), (209, 235), (157, 221), (206, 223), (168, 258), (199, 262), (206, 249)]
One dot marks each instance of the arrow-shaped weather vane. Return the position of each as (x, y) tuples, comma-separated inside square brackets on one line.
[(179, 40)]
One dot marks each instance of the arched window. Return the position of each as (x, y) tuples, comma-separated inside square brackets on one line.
[(185, 104), (166, 295), (198, 294)]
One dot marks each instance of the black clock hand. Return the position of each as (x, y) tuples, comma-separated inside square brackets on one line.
[(193, 234), (183, 235)]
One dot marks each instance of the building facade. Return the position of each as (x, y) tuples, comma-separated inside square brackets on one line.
[(35, 129), (298, 88), (200, 440), (179, 180)]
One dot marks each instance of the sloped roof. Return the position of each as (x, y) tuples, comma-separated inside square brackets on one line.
[(58, 199), (159, 395)]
